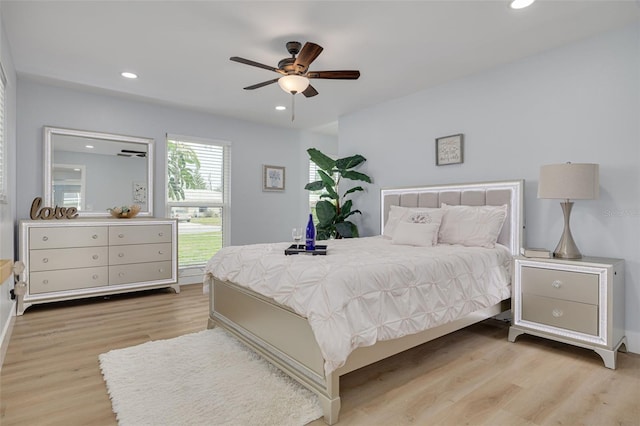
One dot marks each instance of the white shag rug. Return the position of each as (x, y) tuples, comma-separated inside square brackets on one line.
[(205, 378)]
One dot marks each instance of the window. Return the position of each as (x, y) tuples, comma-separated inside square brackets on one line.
[(198, 196), (3, 143)]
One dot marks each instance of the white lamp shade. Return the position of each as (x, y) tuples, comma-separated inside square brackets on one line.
[(293, 83), (569, 181)]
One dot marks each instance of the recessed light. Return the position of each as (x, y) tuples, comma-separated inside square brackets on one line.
[(521, 4), (89, 146), (281, 107), (129, 75)]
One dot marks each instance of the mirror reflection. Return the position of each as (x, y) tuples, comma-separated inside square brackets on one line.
[(95, 171)]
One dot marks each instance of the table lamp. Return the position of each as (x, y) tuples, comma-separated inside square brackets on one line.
[(569, 181)]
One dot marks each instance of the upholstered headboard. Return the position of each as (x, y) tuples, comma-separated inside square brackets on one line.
[(472, 194)]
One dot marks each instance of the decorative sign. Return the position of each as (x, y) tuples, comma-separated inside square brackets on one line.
[(47, 213), (449, 150)]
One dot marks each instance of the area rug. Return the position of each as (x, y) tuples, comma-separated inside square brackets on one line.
[(205, 378)]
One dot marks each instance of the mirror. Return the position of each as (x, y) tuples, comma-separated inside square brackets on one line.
[(96, 171)]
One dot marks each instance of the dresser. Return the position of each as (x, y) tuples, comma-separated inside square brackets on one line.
[(71, 259), (580, 302)]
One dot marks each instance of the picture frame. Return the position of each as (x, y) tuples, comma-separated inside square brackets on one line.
[(450, 150), (273, 178)]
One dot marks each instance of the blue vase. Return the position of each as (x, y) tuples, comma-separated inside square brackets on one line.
[(310, 240)]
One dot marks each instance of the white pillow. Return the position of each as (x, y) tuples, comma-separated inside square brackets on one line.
[(416, 234), (399, 214), (472, 226)]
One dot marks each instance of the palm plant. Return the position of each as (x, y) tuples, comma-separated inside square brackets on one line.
[(333, 209)]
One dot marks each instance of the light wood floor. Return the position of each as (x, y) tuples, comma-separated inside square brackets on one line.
[(51, 374)]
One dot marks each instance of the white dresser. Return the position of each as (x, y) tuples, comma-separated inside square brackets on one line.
[(71, 259), (580, 302)]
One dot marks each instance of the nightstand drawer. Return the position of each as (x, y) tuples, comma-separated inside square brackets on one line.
[(580, 317), (567, 285)]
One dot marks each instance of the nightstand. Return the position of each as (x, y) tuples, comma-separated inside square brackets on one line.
[(580, 302)]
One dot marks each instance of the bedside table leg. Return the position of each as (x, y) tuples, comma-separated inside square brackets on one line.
[(514, 333), (609, 357)]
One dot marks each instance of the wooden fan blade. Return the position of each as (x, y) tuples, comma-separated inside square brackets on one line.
[(338, 75), (309, 91), (308, 54), (252, 63), (264, 83)]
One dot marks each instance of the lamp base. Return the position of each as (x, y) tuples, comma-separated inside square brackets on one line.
[(566, 248)]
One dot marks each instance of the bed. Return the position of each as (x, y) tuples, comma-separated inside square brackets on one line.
[(308, 344)]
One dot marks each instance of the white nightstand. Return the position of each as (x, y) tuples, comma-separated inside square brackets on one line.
[(580, 302)]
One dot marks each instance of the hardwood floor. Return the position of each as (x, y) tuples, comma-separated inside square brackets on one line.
[(51, 374)]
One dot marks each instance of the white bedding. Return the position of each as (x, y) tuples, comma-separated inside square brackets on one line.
[(368, 289)]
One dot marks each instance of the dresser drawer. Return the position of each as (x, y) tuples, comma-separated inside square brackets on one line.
[(68, 279), (139, 234), (580, 317), (69, 258), (139, 272), (567, 285), (62, 237), (139, 253)]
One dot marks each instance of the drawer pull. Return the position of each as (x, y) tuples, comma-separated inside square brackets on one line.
[(557, 313), (121, 274), (95, 276), (161, 270), (45, 260), (160, 252), (45, 281), (120, 235), (556, 284), (45, 238), (94, 257), (94, 236), (120, 254)]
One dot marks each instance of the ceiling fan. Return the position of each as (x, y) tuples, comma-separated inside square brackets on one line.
[(295, 74)]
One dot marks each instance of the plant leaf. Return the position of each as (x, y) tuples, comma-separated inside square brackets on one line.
[(314, 186), (326, 213), (354, 189), (349, 162), (324, 162), (350, 174), (347, 229)]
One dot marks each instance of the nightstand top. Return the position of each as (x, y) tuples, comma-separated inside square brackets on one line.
[(584, 261)]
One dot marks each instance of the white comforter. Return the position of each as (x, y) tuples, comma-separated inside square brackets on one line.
[(367, 289)]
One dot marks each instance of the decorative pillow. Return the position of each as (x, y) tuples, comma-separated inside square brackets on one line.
[(416, 234), (472, 226), (399, 214)]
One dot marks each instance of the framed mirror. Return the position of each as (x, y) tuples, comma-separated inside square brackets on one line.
[(95, 171)]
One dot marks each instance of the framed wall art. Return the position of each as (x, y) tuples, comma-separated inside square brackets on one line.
[(449, 150), (273, 178)]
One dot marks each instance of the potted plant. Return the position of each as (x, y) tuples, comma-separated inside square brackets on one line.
[(333, 209)]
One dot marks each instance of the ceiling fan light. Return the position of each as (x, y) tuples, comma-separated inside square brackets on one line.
[(293, 83)]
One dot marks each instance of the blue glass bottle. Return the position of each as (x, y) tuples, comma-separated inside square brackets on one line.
[(310, 236)]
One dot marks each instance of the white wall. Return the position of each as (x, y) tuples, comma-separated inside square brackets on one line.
[(7, 211), (578, 103), (256, 216)]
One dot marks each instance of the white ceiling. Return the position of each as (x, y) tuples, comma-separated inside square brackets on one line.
[(181, 49)]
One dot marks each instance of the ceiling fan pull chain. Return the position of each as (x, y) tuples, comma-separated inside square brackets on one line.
[(293, 106)]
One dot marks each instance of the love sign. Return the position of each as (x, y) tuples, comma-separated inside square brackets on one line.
[(47, 213)]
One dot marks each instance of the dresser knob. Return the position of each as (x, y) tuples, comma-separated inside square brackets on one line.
[(161, 270), (45, 281), (45, 238), (95, 276), (121, 274), (160, 252), (94, 236), (95, 257), (556, 284), (45, 260), (120, 254), (557, 313), (160, 234), (120, 235)]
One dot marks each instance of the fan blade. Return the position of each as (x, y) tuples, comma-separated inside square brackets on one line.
[(309, 91), (339, 75), (252, 63), (308, 54), (264, 83)]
